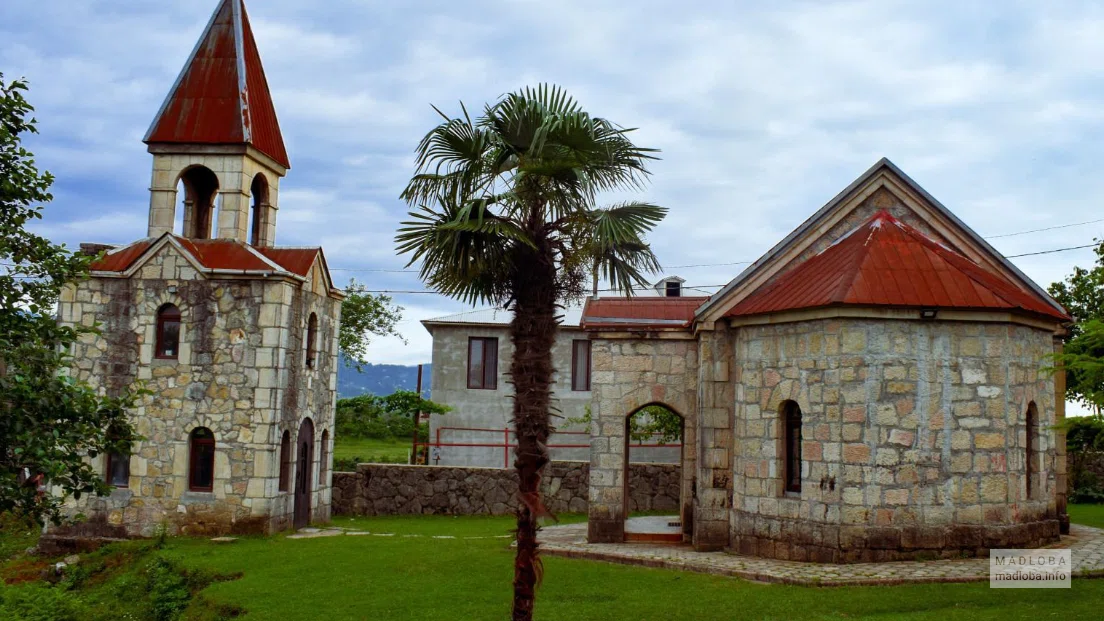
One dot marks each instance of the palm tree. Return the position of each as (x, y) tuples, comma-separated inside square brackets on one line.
[(503, 213)]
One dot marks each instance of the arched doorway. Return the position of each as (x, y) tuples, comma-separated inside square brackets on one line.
[(303, 473), (654, 506)]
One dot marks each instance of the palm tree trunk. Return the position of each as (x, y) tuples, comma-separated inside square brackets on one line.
[(533, 332)]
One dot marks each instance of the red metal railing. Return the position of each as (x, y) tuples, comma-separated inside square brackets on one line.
[(506, 445)]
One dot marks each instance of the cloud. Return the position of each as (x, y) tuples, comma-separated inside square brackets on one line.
[(763, 112)]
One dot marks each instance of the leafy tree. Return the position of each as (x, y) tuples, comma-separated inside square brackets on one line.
[(504, 214), (1082, 293), (363, 315), (655, 423), (48, 420), (370, 416), (646, 424)]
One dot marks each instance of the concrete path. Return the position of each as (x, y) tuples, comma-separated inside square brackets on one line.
[(1087, 545)]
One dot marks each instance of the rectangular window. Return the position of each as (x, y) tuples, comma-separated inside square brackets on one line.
[(483, 363), (118, 470), (580, 364)]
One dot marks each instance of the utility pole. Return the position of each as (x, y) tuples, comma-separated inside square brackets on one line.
[(417, 421)]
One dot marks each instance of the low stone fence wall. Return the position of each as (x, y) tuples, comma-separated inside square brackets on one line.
[(391, 489)]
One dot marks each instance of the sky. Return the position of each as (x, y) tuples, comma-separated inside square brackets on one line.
[(762, 112)]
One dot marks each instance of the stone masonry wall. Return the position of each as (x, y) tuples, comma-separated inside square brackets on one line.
[(627, 375), (913, 439), (386, 489), (233, 375)]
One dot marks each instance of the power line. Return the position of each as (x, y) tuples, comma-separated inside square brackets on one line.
[(675, 267), (1049, 228), (1030, 254)]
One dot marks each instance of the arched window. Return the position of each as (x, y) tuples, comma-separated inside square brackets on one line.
[(312, 338), (324, 461), (201, 462), (168, 332), (791, 446), (285, 461), (258, 213), (200, 195), (1031, 450)]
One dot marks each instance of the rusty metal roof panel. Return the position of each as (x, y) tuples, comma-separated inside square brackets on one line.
[(222, 95), (640, 312), (885, 262), (295, 260), (121, 258)]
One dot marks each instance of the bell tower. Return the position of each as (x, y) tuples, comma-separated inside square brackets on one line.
[(217, 136)]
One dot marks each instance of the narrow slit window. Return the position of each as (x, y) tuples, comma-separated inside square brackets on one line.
[(791, 445), (1031, 450), (580, 364), (323, 461), (285, 461), (312, 340), (168, 332), (483, 363)]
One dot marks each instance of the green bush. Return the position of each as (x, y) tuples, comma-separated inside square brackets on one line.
[(168, 589), (39, 602), (383, 418)]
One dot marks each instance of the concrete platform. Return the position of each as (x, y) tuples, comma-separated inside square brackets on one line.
[(653, 529), (1086, 544)]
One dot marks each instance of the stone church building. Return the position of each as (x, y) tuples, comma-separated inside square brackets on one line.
[(234, 337), (869, 389)]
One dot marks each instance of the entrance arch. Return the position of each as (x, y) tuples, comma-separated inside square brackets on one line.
[(304, 472), (653, 443)]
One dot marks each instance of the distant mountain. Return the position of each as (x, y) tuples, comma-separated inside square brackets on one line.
[(380, 379)]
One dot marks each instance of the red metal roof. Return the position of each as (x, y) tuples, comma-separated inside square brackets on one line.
[(885, 262), (222, 96), (296, 260), (119, 259), (224, 254), (217, 254), (640, 312)]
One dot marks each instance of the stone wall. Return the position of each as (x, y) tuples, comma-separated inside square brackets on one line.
[(628, 374), (913, 439), (240, 372), (387, 489)]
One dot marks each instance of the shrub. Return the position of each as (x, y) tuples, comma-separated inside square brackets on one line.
[(168, 589), (39, 602)]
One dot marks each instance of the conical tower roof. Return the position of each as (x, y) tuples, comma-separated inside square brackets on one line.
[(221, 96)]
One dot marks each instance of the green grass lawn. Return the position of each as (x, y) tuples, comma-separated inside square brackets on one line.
[(1089, 515), (466, 574), (367, 449)]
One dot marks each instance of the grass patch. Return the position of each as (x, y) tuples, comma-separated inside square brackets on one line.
[(369, 450), (1089, 515), (443, 567)]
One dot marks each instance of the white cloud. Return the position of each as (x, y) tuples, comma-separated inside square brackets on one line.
[(763, 111)]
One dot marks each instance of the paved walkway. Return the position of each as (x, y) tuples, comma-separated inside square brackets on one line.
[(569, 540)]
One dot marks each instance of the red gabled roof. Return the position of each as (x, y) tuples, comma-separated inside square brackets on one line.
[(217, 254), (225, 254), (885, 262), (119, 259), (296, 260), (640, 312), (222, 96)]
